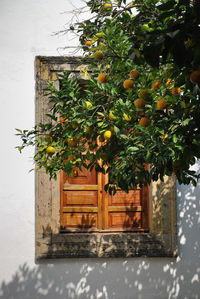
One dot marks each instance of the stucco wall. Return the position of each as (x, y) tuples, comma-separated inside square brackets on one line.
[(26, 29)]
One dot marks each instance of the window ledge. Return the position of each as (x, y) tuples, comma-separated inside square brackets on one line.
[(110, 245)]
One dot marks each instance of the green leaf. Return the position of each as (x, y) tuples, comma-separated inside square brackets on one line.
[(175, 138), (186, 121), (133, 149), (18, 130)]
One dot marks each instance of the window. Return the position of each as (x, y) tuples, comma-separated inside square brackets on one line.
[(76, 218)]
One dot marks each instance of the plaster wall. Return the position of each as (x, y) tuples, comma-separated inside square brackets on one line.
[(26, 30)]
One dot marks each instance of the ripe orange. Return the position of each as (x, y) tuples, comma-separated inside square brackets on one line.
[(134, 74), (161, 104), (98, 55), (143, 94), (88, 43), (144, 122), (155, 85), (107, 135), (128, 83), (176, 90), (50, 150), (140, 103), (102, 78), (195, 77), (71, 142)]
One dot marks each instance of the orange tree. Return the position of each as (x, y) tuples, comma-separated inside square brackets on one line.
[(141, 103)]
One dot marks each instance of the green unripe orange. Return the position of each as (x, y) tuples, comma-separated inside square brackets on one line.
[(140, 103), (98, 55)]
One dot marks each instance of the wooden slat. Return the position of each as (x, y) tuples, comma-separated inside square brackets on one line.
[(80, 197), (80, 187), (124, 209), (123, 198), (80, 221), (128, 220), (80, 209)]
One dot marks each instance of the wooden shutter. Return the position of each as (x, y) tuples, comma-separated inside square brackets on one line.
[(81, 201), (126, 211), (85, 206)]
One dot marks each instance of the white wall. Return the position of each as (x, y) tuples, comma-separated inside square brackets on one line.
[(26, 29)]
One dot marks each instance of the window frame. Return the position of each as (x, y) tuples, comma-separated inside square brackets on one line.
[(160, 241)]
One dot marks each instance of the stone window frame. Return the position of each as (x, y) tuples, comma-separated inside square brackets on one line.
[(160, 241)]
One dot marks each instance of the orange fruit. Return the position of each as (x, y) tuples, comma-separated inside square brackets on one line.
[(143, 94), (98, 55), (140, 103), (88, 130), (71, 142), (144, 122), (107, 134), (155, 85), (50, 150), (195, 77), (88, 43), (161, 104), (128, 84), (102, 78), (134, 74), (176, 90)]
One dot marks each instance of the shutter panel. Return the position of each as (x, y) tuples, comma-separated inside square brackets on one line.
[(126, 211), (81, 201)]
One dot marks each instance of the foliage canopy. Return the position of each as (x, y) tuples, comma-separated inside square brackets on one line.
[(140, 105)]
